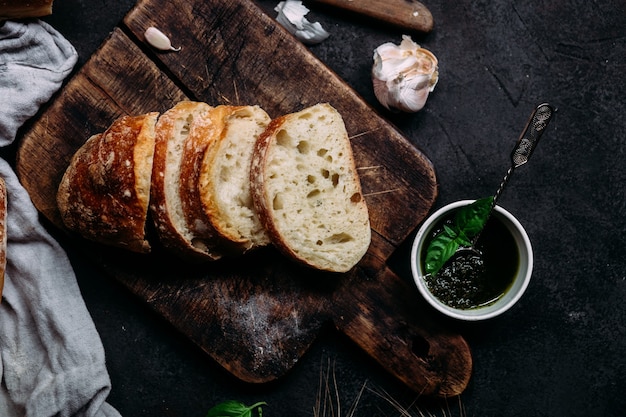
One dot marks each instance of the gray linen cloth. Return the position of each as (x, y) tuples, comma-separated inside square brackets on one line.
[(51, 357)]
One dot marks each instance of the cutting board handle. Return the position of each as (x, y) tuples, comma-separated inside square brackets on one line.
[(390, 322)]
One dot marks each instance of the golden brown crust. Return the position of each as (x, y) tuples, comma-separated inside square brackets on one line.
[(257, 181), (103, 195), (219, 118), (3, 233), (17, 9), (202, 139), (168, 205), (161, 208)]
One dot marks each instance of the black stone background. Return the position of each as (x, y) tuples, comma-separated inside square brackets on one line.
[(561, 350)]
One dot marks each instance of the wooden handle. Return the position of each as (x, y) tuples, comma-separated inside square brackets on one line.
[(407, 14)]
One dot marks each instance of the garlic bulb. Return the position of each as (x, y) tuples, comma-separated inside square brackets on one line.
[(404, 75), (291, 15), (159, 40)]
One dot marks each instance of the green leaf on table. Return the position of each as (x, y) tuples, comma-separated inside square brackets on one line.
[(468, 222), (234, 409)]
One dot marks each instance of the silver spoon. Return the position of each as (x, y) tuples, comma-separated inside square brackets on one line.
[(521, 153)]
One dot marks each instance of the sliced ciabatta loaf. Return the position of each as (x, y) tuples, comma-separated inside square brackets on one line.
[(167, 205), (105, 191), (224, 181), (307, 192)]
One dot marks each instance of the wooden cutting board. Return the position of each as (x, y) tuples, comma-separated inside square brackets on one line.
[(257, 315)]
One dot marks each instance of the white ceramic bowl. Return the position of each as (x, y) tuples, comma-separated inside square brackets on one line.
[(512, 295)]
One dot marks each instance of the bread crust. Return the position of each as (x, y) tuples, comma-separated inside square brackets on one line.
[(17, 9), (302, 247), (260, 197), (104, 193), (168, 204), (203, 136)]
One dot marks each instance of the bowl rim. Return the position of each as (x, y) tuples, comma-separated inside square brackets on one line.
[(500, 306)]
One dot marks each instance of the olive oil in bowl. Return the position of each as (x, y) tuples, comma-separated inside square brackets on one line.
[(468, 280), (463, 290)]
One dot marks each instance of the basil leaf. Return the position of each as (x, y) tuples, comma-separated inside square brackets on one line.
[(440, 249), (471, 219), (458, 235), (468, 222), (233, 409)]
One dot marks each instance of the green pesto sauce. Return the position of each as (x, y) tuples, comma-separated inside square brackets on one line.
[(468, 281)]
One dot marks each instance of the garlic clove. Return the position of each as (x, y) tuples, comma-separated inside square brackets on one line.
[(404, 75), (291, 16), (159, 40)]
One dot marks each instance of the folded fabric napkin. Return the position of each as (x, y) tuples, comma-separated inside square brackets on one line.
[(51, 357)]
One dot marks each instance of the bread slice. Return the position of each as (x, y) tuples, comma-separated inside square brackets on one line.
[(203, 135), (105, 191), (224, 180), (307, 192), (176, 131)]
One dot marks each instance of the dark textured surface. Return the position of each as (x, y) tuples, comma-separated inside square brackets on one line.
[(560, 351)]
